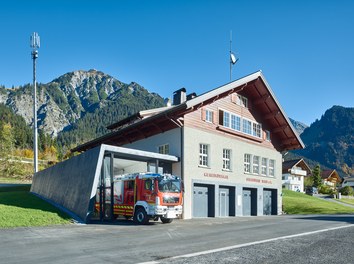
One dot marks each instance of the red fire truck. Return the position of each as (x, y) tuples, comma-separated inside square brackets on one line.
[(146, 196)]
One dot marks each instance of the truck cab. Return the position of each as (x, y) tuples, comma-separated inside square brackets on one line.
[(146, 196)]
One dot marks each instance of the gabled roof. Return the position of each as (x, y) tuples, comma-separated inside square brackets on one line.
[(289, 164), (254, 87), (331, 176), (326, 174)]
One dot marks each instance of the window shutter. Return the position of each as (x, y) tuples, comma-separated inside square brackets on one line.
[(215, 118), (203, 114), (234, 98), (221, 117)]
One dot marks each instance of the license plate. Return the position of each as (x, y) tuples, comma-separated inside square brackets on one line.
[(170, 215)]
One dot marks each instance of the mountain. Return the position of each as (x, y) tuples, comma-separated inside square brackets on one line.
[(330, 140), (299, 127), (92, 96), (22, 132)]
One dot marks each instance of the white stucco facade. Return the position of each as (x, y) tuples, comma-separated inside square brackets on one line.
[(185, 142)]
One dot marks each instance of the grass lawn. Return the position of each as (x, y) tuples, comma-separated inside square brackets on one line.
[(348, 201), (299, 203), (19, 208)]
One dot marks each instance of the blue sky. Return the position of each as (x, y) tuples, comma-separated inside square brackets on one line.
[(304, 48)]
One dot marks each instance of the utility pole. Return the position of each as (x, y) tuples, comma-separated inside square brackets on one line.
[(35, 44)]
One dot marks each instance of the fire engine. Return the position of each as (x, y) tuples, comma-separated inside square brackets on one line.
[(146, 196)]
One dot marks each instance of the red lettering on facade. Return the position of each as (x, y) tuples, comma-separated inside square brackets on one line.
[(216, 175), (258, 180)]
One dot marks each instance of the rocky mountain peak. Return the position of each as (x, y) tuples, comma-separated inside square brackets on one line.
[(66, 99)]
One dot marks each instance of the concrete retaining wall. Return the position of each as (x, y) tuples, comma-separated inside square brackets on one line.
[(70, 183)]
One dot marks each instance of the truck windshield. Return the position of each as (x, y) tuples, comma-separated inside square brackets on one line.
[(169, 185)]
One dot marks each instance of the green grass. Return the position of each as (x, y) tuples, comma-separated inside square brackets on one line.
[(299, 203), (11, 180), (19, 208), (346, 200)]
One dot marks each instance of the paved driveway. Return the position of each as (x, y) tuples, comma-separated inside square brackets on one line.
[(124, 242)]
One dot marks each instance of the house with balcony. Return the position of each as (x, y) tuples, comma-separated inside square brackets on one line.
[(294, 173), (330, 178)]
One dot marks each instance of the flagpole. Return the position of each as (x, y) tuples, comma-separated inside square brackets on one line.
[(230, 55)]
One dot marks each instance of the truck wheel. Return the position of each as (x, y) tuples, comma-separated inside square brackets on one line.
[(166, 220), (140, 216)]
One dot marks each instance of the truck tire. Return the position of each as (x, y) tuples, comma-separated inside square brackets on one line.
[(140, 216), (166, 220)]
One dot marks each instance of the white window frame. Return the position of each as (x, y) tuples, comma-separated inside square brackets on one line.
[(242, 101), (247, 163), (164, 149), (241, 124), (209, 116), (255, 164), (264, 166), (226, 159), (267, 135), (204, 155), (235, 122), (247, 126), (271, 168), (256, 129), (226, 119)]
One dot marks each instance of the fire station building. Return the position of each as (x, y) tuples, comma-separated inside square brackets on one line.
[(228, 142)]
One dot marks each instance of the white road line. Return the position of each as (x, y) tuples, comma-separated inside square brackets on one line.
[(247, 244)]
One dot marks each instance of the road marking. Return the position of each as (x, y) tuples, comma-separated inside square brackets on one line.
[(246, 244)]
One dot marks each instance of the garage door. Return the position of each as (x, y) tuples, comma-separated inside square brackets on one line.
[(246, 203), (267, 202), (200, 201), (224, 198)]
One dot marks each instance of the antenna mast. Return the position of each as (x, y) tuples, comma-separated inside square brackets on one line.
[(35, 44)]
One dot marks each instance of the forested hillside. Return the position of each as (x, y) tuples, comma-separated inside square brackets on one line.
[(330, 140)]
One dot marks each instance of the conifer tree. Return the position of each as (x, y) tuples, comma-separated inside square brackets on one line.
[(316, 175)]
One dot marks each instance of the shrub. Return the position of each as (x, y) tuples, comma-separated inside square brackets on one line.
[(347, 190), (325, 189)]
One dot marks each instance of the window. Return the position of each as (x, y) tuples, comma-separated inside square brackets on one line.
[(264, 166), (271, 167), (226, 119), (209, 116), (236, 122), (247, 163), (256, 130), (242, 101), (247, 126), (226, 159), (267, 135), (255, 165), (203, 155), (164, 149)]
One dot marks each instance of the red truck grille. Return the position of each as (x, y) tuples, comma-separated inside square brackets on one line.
[(170, 199)]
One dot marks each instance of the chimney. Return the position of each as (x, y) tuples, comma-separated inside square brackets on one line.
[(191, 96), (168, 102), (179, 96)]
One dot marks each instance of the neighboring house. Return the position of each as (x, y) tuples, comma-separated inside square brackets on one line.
[(330, 178), (294, 172), (349, 181), (229, 142)]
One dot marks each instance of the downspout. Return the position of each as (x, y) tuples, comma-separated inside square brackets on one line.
[(182, 165)]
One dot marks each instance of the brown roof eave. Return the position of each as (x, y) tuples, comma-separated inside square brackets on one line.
[(102, 139)]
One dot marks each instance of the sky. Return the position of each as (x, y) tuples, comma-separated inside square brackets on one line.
[(305, 49)]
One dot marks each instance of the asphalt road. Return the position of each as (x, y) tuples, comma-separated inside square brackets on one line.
[(272, 239)]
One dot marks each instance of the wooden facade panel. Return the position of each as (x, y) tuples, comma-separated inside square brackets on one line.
[(196, 119)]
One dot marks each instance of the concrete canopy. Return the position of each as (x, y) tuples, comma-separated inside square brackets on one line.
[(73, 183)]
